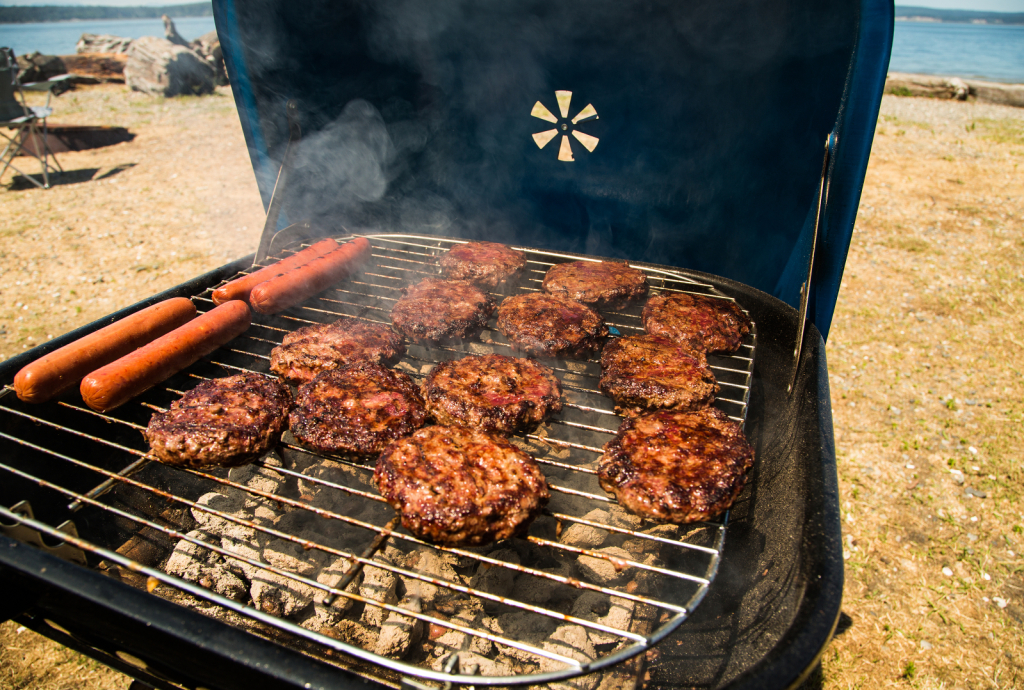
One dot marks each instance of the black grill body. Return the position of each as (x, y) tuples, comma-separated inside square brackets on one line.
[(763, 623)]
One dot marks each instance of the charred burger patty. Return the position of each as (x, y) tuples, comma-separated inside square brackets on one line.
[(641, 372), (709, 323), (550, 326), (221, 422), (601, 283), (676, 466), (435, 310), (359, 408), (487, 264), (308, 351), (461, 487), (492, 392)]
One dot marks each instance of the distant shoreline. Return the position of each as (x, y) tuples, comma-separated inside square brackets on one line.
[(44, 14), (913, 13)]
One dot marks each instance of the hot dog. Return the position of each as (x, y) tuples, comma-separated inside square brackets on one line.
[(121, 380), (54, 373), (241, 287), (277, 294)]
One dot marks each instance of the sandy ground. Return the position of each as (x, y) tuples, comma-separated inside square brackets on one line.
[(926, 357)]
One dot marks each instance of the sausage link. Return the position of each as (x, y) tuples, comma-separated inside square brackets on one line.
[(305, 281), (120, 381), (241, 287), (52, 374)]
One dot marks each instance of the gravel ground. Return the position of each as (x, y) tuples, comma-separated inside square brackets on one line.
[(926, 357)]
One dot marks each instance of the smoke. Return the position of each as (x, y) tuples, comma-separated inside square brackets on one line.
[(418, 118)]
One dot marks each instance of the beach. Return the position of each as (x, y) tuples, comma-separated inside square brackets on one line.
[(925, 356)]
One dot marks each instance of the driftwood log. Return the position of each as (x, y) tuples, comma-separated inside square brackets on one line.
[(96, 67), (903, 84), (102, 43), (207, 47), (39, 67), (158, 67)]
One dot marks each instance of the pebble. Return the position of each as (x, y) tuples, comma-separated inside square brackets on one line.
[(1000, 602), (926, 645), (947, 571)]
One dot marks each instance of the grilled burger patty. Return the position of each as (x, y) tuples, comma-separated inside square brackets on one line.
[(436, 309), (221, 422), (486, 264), (358, 408), (709, 323), (604, 284), (676, 466), (641, 372), (461, 487), (492, 392), (309, 350), (550, 326)]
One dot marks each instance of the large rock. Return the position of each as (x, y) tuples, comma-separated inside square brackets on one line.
[(158, 67), (102, 43)]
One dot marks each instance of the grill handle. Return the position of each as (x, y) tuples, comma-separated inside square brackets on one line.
[(277, 198), (805, 288)]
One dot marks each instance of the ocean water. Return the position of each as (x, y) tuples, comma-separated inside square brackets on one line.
[(59, 38), (987, 51)]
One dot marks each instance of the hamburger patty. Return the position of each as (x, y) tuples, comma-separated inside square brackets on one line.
[(708, 323), (641, 372), (604, 284), (486, 264), (461, 487), (676, 466), (358, 408), (550, 326), (492, 392), (221, 422), (436, 309), (309, 350)]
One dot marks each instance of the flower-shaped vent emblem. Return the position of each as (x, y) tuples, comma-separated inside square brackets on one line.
[(565, 125)]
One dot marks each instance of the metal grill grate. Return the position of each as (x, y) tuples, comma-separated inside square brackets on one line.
[(94, 468)]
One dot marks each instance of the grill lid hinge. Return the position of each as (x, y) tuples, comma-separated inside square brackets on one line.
[(277, 197), (805, 288), (25, 534)]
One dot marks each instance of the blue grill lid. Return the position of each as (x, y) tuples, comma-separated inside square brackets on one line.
[(695, 130)]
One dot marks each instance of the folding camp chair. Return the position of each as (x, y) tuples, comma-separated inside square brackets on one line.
[(27, 122)]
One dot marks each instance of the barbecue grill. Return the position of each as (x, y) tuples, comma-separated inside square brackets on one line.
[(641, 132)]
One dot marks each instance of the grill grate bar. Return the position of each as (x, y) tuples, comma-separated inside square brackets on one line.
[(305, 543), (396, 261), (203, 593)]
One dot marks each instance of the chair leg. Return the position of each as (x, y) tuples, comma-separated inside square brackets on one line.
[(11, 151)]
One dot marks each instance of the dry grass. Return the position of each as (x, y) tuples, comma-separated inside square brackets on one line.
[(125, 221), (926, 357), (31, 661)]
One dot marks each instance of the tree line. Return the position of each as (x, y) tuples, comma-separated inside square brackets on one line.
[(52, 13)]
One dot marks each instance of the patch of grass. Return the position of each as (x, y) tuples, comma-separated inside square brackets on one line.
[(1004, 131), (909, 244), (899, 91)]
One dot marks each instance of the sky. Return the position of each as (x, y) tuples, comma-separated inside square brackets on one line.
[(982, 5)]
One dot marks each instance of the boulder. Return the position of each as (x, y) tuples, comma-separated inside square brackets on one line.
[(158, 67), (102, 43)]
